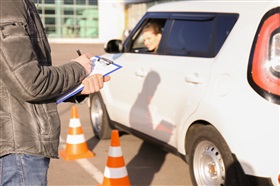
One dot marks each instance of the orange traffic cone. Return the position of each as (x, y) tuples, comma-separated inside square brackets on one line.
[(115, 172), (76, 146)]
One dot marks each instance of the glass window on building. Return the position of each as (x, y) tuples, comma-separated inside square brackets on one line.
[(69, 18)]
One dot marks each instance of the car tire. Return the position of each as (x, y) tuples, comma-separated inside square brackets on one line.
[(210, 159), (99, 117)]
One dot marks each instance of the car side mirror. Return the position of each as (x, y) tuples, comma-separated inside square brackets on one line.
[(113, 46)]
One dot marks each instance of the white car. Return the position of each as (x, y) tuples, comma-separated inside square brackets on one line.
[(211, 92)]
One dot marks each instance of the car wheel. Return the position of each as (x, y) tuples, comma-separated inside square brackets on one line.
[(99, 117), (210, 159)]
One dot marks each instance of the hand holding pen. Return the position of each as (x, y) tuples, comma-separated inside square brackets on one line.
[(93, 83), (84, 60)]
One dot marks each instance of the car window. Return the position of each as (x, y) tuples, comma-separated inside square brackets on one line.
[(187, 38), (225, 23), (187, 34), (199, 38), (138, 45)]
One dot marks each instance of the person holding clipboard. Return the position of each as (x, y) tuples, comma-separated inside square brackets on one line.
[(29, 86)]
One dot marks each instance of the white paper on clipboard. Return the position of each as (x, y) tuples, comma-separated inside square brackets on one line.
[(99, 67)]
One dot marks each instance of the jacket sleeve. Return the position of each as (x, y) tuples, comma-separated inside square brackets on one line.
[(25, 76)]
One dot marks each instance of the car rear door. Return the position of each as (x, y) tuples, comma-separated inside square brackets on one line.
[(188, 53)]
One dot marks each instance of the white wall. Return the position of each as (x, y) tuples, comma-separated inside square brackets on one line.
[(111, 19)]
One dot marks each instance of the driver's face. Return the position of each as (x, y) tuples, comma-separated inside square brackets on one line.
[(151, 40)]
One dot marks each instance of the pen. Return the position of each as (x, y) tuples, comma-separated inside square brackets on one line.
[(79, 52)]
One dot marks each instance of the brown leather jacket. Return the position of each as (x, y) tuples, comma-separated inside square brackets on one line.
[(29, 85)]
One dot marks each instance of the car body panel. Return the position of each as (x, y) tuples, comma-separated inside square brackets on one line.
[(150, 96)]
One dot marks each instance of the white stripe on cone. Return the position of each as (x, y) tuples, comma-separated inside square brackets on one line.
[(75, 139), (115, 151), (74, 123), (115, 172)]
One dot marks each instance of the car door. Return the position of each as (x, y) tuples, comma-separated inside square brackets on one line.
[(127, 91), (183, 81), (184, 69)]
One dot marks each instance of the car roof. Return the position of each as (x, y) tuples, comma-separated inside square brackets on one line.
[(229, 6)]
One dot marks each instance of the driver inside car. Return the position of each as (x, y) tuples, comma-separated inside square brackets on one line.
[(152, 34)]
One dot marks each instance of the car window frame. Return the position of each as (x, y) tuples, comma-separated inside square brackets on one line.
[(171, 17)]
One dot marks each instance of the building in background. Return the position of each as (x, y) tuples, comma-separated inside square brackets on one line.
[(91, 20)]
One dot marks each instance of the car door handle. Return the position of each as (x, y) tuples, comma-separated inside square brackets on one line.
[(140, 73), (194, 79)]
